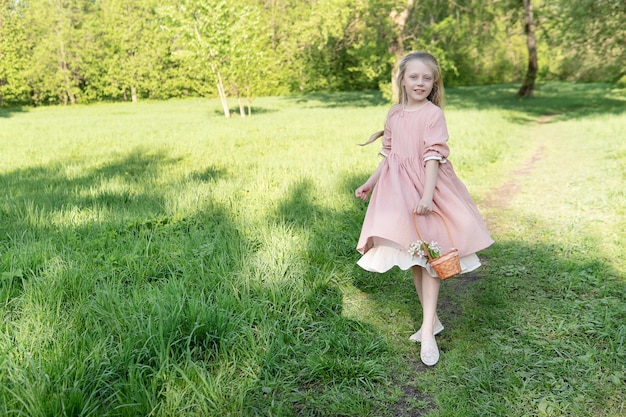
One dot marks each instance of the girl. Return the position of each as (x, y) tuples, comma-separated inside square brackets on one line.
[(414, 178)]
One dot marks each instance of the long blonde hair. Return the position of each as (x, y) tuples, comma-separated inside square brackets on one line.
[(436, 95)]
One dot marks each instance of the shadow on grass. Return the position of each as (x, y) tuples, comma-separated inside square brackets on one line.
[(531, 313), (234, 112), (158, 294), (131, 283), (566, 101), (161, 294), (101, 209), (537, 319), (340, 99), (331, 257), (6, 112), (116, 183)]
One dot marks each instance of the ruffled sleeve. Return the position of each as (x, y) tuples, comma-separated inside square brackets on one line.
[(435, 146)]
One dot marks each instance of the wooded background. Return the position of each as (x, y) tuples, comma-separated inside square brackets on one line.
[(80, 51)]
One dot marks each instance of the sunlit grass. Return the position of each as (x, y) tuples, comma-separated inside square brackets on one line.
[(159, 259)]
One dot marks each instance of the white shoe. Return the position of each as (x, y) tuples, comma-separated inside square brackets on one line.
[(429, 353), (417, 336)]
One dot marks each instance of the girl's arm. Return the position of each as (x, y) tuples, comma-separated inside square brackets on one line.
[(364, 190), (425, 204)]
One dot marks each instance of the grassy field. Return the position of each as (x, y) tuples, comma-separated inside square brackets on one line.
[(157, 259)]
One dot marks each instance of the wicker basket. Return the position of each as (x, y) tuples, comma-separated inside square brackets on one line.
[(448, 264)]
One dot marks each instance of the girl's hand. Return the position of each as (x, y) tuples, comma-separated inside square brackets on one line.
[(424, 206), (363, 192)]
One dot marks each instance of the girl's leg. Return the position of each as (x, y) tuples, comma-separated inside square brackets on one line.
[(419, 275), (417, 281), (429, 352), (429, 296)]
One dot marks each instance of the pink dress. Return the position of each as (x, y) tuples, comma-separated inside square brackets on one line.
[(410, 139)]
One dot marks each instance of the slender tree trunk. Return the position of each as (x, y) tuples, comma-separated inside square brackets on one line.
[(133, 93), (242, 109), (528, 86), (220, 83), (64, 69), (222, 93)]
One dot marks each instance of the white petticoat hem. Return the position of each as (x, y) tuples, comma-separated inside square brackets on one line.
[(382, 258)]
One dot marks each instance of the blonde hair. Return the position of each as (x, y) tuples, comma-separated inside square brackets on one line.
[(436, 95)]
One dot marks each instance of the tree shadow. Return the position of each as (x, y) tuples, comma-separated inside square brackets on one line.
[(142, 282), (297, 208), (114, 183), (209, 174), (356, 99), (234, 111), (332, 236), (565, 101), (6, 112), (516, 282), (125, 280), (106, 204)]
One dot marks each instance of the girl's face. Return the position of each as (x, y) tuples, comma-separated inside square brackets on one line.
[(418, 82)]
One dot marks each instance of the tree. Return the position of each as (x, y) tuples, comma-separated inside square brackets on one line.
[(590, 36), (470, 38), (134, 47), (203, 42), (13, 46), (250, 62), (57, 42), (396, 46), (66, 51), (327, 44), (528, 85)]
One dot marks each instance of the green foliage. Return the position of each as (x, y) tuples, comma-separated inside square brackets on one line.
[(56, 40), (476, 42), (13, 85), (589, 37), (83, 51), (134, 54)]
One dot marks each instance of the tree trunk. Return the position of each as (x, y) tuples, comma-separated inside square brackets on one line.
[(397, 46), (216, 72), (242, 109), (528, 86), (64, 69), (222, 93), (133, 93)]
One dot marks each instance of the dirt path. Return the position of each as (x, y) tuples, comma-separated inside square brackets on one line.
[(498, 198), (502, 196)]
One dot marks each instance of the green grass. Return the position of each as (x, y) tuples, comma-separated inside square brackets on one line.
[(158, 259)]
